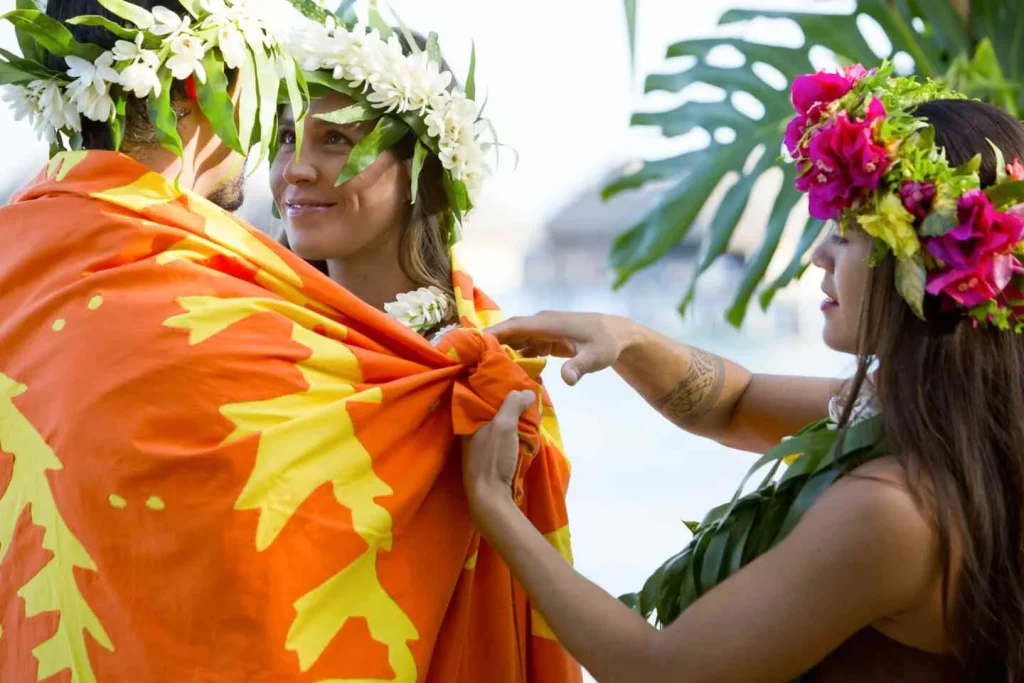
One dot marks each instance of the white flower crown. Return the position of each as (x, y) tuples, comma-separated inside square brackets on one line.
[(366, 62), (162, 47), (396, 83)]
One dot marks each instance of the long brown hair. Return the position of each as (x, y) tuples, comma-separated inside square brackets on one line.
[(952, 402)]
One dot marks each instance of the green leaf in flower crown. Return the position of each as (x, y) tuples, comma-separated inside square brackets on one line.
[(129, 12), (294, 85), (1006, 194), (268, 84), (419, 156), (28, 67), (911, 278), (192, 7), (95, 20), (29, 47), (923, 139), (51, 35), (454, 229), (692, 526), (458, 196), (321, 83), (386, 134), (377, 21), (215, 101), (972, 165), (414, 47), (311, 10), (248, 102), (12, 75), (434, 48), (1001, 173), (942, 219), (346, 12), (119, 122), (162, 116), (354, 113), (471, 77)]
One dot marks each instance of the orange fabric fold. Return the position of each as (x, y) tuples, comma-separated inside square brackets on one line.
[(218, 465)]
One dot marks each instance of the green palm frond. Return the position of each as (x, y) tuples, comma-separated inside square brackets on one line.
[(930, 32), (734, 534)]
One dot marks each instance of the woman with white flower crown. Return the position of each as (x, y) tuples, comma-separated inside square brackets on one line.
[(375, 206), (372, 187)]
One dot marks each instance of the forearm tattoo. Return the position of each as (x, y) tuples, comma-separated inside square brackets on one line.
[(698, 392)]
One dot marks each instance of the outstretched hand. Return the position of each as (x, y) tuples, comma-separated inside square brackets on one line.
[(591, 341)]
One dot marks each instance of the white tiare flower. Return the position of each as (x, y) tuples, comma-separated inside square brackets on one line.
[(169, 23), (125, 51), (188, 58), (91, 75), (312, 46), (140, 77), (95, 105), (45, 106), (255, 36), (232, 45), (421, 310), (56, 110), (473, 177), (414, 83), (459, 158), (435, 123), (462, 111), (218, 12), (23, 101), (141, 80), (90, 91), (424, 82)]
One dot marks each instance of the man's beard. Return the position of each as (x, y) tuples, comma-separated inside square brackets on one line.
[(230, 194)]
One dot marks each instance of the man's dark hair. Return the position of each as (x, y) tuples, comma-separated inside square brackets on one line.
[(96, 135)]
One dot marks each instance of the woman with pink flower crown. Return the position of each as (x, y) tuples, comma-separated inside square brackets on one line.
[(885, 541)]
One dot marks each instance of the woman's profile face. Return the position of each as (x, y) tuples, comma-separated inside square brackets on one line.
[(357, 218), (843, 255)]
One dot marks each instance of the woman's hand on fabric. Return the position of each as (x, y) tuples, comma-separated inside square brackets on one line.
[(490, 457), (592, 341)]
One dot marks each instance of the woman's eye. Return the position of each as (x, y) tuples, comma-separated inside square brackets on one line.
[(836, 234), (336, 138), (286, 136)]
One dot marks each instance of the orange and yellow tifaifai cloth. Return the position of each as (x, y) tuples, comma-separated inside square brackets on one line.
[(216, 465)]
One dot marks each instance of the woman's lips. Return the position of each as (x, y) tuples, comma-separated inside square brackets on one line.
[(295, 209)]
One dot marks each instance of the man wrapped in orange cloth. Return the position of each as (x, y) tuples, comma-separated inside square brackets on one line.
[(216, 464)]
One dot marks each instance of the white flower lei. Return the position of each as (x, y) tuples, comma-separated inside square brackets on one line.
[(397, 83), (422, 310)]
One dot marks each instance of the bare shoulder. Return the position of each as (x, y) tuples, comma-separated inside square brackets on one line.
[(877, 496), (871, 521)]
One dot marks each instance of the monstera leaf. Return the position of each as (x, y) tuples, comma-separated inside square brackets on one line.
[(984, 56)]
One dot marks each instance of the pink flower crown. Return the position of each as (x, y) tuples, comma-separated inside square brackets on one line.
[(863, 156)]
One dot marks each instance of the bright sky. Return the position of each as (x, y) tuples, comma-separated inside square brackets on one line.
[(557, 73)]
